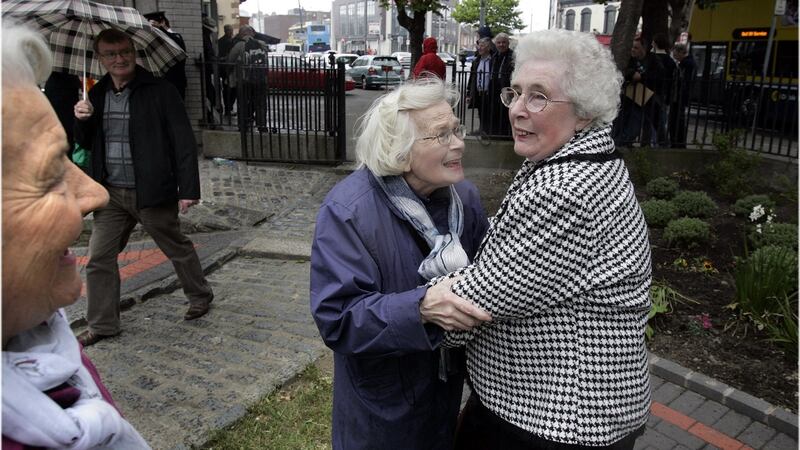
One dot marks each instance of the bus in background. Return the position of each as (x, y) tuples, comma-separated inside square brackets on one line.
[(318, 38), (729, 45), (290, 49)]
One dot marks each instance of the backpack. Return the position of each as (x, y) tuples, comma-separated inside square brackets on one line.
[(255, 56)]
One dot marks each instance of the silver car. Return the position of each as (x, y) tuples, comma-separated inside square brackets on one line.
[(370, 70), (404, 58)]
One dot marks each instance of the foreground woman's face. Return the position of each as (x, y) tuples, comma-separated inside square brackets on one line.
[(538, 135), (44, 199), (433, 164)]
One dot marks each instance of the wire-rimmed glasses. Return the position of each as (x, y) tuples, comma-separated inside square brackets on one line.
[(535, 101), (444, 137)]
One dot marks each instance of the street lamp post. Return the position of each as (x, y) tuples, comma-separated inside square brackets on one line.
[(366, 25)]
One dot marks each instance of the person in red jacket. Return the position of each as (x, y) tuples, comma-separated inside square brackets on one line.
[(430, 61)]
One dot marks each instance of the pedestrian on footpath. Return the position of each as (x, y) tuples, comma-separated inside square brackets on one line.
[(430, 63), (52, 393), (564, 270), (177, 73), (144, 152), (406, 216), (502, 68)]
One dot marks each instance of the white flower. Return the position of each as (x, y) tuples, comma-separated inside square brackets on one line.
[(758, 228), (757, 212)]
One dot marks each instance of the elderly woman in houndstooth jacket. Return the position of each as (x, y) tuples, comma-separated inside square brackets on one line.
[(564, 270)]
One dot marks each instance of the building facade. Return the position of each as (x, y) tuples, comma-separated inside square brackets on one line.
[(585, 15), (363, 25)]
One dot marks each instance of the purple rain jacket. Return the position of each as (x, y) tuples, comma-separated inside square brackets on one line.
[(365, 295)]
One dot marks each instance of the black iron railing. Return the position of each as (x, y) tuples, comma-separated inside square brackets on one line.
[(285, 109), (673, 114)]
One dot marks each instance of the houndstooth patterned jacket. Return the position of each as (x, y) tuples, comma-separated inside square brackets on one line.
[(565, 272)]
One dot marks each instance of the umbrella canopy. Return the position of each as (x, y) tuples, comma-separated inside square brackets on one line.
[(71, 25)]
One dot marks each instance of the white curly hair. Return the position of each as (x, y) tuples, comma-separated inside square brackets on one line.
[(386, 132), (591, 80), (26, 57)]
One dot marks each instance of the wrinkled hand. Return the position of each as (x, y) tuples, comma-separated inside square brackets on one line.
[(184, 205), (83, 110), (451, 312)]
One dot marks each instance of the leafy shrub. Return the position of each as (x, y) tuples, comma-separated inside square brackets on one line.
[(777, 234), (735, 172), (658, 213), (694, 204), (662, 298), (662, 187), (744, 206), (687, 232), (782, 329), (764, 278)]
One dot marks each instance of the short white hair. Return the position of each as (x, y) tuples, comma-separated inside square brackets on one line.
[(590, 80), (27, 59), (386, 132)]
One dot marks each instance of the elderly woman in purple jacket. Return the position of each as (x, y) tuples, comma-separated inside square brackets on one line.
[(405, 217)]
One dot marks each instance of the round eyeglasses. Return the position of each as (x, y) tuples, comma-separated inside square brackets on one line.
[(444, 137), (111, 56), (535, 101)]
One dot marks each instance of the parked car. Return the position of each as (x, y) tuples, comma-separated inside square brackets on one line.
[(348, 59), (404, 58), (467, 55), (368, 71), (317, 58), (287, 72), (447, 58)]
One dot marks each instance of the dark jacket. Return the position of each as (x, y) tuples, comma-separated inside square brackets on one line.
[(430, 61), (502, 67), (365, 295), (177, 73), (472, 84), (162, 142)]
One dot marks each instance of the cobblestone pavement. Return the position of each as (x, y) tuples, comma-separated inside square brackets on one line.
[(178, 381)]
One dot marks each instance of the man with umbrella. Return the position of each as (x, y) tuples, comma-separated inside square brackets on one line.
[(177, 73), (144, 153)]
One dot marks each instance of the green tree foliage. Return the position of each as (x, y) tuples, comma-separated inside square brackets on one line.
[(501, 15)]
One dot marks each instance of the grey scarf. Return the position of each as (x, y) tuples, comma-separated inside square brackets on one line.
[(446, 253)]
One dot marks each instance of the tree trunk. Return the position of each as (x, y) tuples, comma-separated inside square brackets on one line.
[(655, 15), (625, 31), (416, 30), (681, 12)]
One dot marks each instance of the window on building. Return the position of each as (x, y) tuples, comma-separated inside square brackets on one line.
[(342, 20), (351, 18), (570, 25), (370, 8), (610, 19), (586, 19), (360, 22)]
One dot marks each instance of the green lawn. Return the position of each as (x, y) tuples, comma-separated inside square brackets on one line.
[(297, 416)]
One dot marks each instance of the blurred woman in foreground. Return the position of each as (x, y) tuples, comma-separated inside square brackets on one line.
[(52, 394)]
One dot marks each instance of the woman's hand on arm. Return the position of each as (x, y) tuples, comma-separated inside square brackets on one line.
[(442, 307)]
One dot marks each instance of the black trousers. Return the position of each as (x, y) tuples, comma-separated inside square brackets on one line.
[(481, 429)]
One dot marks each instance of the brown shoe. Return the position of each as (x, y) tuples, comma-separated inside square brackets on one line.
[(89, 337), (195, 312)]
